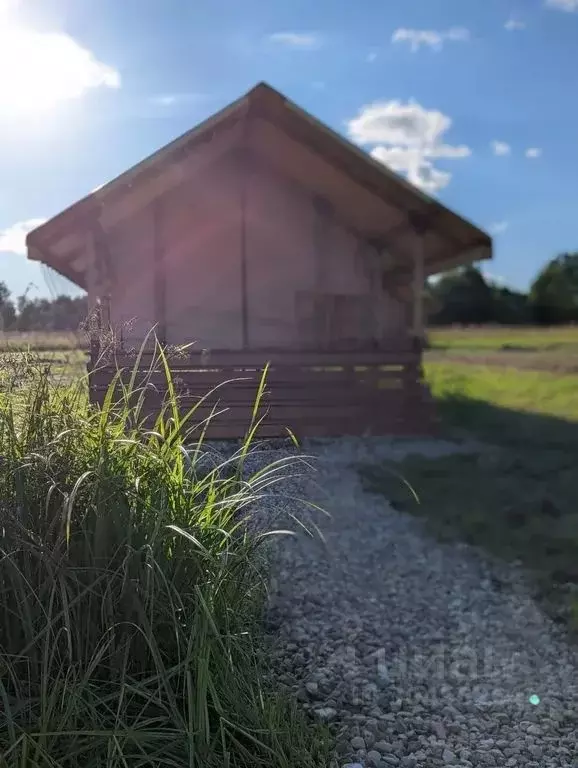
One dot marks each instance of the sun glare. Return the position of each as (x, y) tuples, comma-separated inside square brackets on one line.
[(40, 69)]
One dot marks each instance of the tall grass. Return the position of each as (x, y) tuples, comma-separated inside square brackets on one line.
[(130, 592)]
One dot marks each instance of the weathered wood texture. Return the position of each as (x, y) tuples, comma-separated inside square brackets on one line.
[(310, 394), (240, 256)]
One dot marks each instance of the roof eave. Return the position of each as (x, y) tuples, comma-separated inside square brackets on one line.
[(364, 159), (92, 203), (34, 253)]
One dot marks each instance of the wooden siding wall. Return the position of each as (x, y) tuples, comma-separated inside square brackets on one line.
[(201, 226), (132, 305), (238, 256), (311, 283)]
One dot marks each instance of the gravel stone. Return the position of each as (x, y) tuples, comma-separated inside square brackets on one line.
[(383, 746), (326, 714), (487, 744), (374, 758), (357, 742), (439, 730), (435, 649)]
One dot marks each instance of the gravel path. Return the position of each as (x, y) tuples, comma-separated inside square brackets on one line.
[(416, 653)]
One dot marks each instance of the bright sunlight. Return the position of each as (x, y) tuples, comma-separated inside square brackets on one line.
[(40, 69)]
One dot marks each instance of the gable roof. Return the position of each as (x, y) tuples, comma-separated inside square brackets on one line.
[(375, 197)]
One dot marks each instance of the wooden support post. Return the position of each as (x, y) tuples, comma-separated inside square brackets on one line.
[(93, 286), (324, 307), (244, 170), (418, 286), (420, 225), (160, 292)]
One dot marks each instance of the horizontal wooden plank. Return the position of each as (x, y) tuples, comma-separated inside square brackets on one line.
[(280, 374), (297, 390), (395, 402), (204, 381), (343, 401), (224, 358), (370, 424), (317, 395)]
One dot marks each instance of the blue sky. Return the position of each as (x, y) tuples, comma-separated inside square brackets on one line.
[(467, 98)]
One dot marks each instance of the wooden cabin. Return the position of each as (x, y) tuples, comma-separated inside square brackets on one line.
[(262, 236)]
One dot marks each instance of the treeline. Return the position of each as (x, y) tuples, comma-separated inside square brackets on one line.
[(33, 314), (465, 296)]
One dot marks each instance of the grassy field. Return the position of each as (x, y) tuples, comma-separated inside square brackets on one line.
[(497, 338), (548, 349), (466, 393), (519, 501), (41, 340)]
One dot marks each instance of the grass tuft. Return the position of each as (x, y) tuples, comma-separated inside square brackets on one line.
[(130, 591)]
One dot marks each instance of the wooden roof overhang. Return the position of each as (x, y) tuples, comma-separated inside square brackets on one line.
[(377, 204)]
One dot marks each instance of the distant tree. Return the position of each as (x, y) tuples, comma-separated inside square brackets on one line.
[(460, 296), (7, 309), (68, 313), (509, 307), (554, 292), (61, 314)]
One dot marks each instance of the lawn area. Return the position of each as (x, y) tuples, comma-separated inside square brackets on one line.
[(496, 338), (41, 340), (538, 349), (518, 501), (475, 396)]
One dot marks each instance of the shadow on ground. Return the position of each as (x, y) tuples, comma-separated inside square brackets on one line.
[(507, 427), (518, 500)]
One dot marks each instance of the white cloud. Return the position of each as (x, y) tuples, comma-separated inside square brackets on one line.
[(429, 37), (512, 25), (569, 6), (302, 40), (412, 163), (172, 99), (501, 148), (533, 152), (445, 150), (407, 138), (499, 227), (13, 239), (458, 34), (393, 122), (43, 68)]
